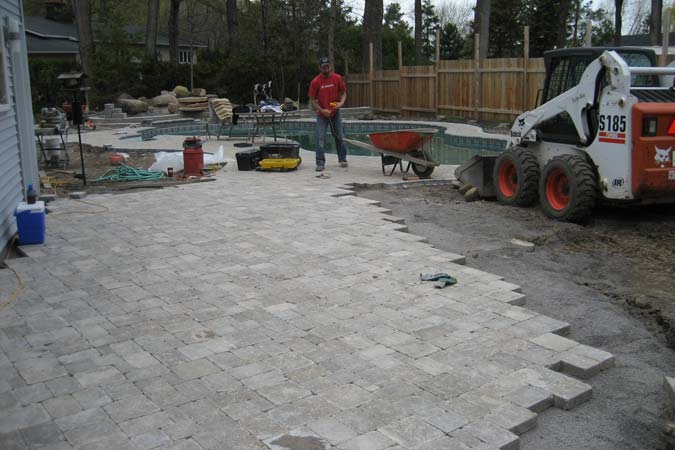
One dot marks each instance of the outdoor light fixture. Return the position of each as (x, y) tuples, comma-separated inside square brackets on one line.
[(13, 35), (74, 83)]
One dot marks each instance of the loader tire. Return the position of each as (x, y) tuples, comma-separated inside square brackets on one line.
[(568, 188), (516, 177)]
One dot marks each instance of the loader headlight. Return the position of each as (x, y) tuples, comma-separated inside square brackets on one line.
[(649, 126)]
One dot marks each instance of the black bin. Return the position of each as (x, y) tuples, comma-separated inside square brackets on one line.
[(279, 150), (248, 159)]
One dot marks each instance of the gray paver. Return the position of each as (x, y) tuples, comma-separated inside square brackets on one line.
[(411, 431), (62, 406), (369, 441), (22, 417), (130, 408), (195, 369), (42, 435), (150, 439), (333, 431), (102, 376)]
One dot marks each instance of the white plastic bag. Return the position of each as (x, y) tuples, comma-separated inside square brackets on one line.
[(164, 160)]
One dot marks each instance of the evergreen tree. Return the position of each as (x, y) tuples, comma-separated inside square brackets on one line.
[(397, 29), (430, 24), (452, 42)]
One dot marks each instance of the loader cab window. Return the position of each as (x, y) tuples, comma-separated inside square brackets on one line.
[(565, 74)]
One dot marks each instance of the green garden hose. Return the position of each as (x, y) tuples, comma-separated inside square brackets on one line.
[(128, 173)]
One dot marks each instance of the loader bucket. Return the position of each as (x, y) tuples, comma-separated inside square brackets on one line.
[(478, 173)]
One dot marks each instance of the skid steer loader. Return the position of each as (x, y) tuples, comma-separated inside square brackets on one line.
[(605, 131)]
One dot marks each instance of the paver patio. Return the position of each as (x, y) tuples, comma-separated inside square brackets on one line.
[(274, 310)]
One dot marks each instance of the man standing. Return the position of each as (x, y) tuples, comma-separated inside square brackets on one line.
[(327, 93)]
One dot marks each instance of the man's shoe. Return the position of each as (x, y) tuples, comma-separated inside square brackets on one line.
[(319, 168), (344, 164)]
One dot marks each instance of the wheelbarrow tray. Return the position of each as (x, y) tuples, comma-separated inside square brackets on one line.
[(403, 156), (402, 141)]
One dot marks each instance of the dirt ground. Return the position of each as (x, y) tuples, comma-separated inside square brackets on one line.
[(612, 279), (96, 163)]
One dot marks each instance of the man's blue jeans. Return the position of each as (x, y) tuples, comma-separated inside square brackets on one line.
[(323, 125)]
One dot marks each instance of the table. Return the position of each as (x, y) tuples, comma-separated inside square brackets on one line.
[(267, 119), (40, 133)]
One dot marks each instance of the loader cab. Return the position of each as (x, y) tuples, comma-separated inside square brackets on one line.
[(564, 68)]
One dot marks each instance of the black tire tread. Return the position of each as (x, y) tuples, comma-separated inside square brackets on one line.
[(586, 188), (427, 170), (528, 189)]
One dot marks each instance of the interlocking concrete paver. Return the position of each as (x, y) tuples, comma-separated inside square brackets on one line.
[(263, 303)]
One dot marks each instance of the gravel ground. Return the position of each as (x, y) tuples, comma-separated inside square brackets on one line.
[(612, 279)]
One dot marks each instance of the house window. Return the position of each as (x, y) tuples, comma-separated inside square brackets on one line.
[(184, 56)]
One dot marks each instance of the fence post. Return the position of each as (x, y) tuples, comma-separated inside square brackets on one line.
[(666, 37), (371, 76), (436, 67), (588, 39), (400, 56), (476, 57), (526, 66)]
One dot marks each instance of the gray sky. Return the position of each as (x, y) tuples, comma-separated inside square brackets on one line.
[(632, 8)]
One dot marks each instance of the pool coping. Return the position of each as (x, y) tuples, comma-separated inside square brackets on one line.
[(458, 135)]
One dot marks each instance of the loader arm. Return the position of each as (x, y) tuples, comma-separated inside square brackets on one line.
[(576, 102)]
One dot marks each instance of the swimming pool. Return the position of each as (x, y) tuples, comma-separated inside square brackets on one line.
[(445, 148)]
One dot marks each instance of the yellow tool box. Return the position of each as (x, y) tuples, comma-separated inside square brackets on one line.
[(279, 164)]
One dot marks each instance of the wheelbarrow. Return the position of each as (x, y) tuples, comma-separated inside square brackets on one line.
[(402, 145)]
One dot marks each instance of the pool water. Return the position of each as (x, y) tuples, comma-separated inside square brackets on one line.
[(445, 148), (441, 151)]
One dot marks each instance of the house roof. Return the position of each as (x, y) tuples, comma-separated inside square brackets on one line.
[(49, 36), (37, 44), (638, 40)]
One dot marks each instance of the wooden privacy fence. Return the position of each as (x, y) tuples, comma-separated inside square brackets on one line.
[(498, 89), (506, 87)]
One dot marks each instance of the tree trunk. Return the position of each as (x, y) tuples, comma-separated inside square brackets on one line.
[(331, 31), (173, 31), (372, 31), (618, 7), (482, 20), (563, 12), (263, 19), (82, 10), (151, 30), (418, 32), (577, 14), (655, 22), (232, 24)]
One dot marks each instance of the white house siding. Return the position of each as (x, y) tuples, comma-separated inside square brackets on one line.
[(18, 158)]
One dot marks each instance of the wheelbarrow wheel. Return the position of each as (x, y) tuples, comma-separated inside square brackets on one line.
[(422, 171)]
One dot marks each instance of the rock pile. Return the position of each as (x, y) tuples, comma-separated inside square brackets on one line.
[(178, 99)]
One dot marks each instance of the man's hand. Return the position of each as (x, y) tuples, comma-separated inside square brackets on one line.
[(326, 112)]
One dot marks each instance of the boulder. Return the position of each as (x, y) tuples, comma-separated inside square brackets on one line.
[(173, 108), (132, 106), (181, 91), (163, 92), (163, 100), (125, 96), (199, 92)]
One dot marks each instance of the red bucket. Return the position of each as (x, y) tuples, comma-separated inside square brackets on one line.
[(193, 157)]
